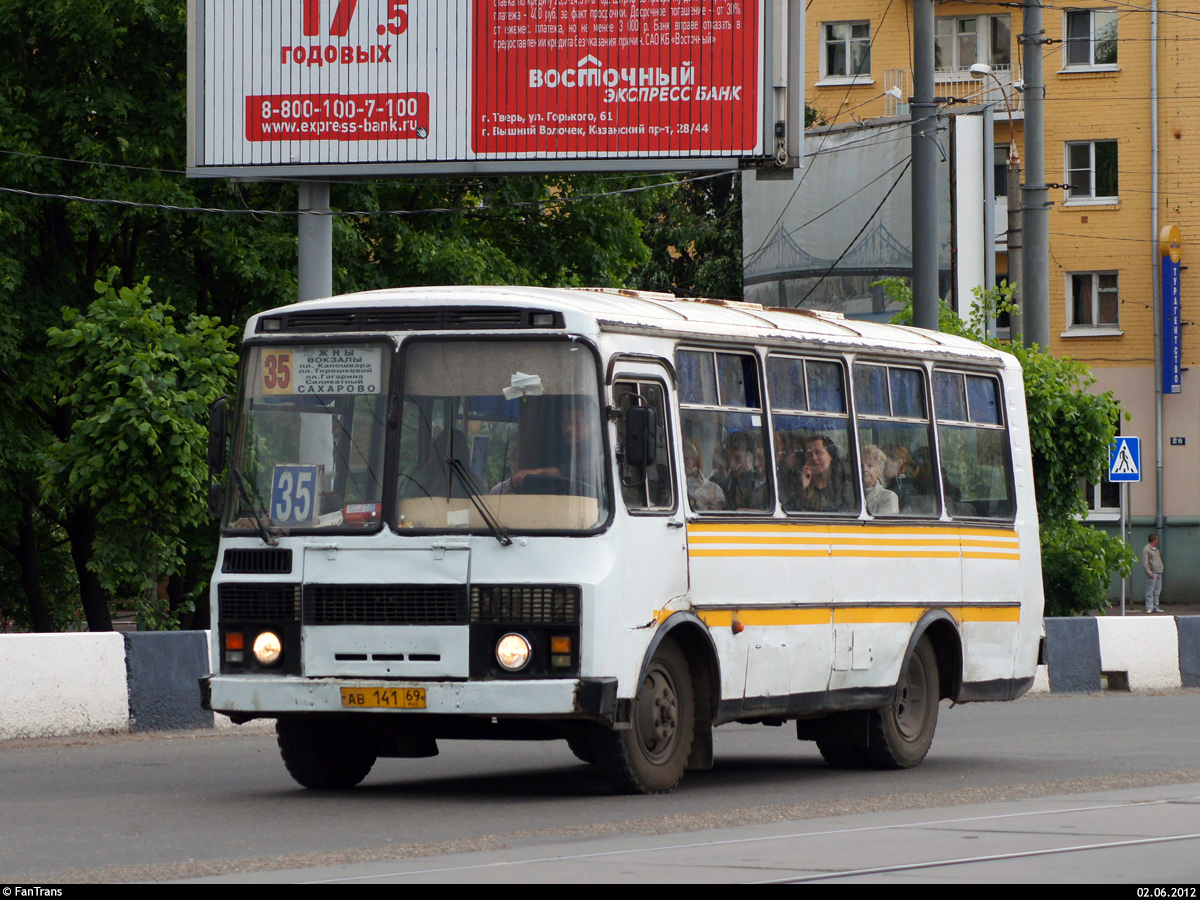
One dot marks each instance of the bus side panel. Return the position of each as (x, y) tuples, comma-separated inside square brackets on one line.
[(764, 589)]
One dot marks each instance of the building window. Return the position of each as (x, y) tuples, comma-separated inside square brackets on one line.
[(1092, 170), (960, 42), (1000, 154), (1091, 38), (1103, 499), (1095, 300), (847, 49)]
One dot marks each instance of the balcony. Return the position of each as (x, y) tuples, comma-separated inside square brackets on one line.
[(965, 90)]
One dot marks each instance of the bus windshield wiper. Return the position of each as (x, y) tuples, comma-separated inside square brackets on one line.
[(468, 480), (244, 490)]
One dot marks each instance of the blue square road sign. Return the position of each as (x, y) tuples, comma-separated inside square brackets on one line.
[(1125, 460)]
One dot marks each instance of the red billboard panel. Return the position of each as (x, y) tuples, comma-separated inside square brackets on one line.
[(615, 76)]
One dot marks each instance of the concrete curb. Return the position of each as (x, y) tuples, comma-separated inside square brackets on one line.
[(162, 669), (59, 684), (63, 684)]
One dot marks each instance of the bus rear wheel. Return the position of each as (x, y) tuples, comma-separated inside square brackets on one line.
[(900, 735), (650, 757), (322, 755)]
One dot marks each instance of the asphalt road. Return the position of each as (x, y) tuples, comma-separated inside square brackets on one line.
[(128, 808)]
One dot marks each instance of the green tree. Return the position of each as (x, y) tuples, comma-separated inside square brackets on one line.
[(1070, 431), (560, 231), (694, 236), (135, 461)]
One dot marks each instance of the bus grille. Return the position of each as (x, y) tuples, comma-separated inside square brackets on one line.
[(384, 604), (250, 561), (258, 602), (529, 604), (401, 318)]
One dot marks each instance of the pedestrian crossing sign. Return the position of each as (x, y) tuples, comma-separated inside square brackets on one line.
[(1125, 460)]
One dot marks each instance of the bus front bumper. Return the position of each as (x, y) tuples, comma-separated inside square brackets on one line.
[(244, 697)]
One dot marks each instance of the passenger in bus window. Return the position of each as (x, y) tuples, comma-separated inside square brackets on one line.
[(575, 457), (703, 493), (880, 501), (761, 490), (923, 499), (826, 488), (789, 463), (738, 481), (895, 472)]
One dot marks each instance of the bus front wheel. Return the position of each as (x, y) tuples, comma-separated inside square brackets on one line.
[(650, 757), (900, 734), (322, 756)]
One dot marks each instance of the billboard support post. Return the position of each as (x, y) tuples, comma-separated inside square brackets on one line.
[(315, 268)]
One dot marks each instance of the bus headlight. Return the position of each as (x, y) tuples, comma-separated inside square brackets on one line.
[(513, 652), (267, 648)]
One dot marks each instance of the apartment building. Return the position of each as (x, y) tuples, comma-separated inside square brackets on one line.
[(1117, 181)]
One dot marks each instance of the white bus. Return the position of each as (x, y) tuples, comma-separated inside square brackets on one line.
[(618, 519)]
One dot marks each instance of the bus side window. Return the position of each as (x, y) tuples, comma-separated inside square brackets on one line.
[(974, 446), (646, 487), (894, 432), (814, 458), (724, 434)]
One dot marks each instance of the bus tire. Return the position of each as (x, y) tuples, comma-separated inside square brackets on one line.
[(899, 735), (322, 756), (650, 756), (841, 754)]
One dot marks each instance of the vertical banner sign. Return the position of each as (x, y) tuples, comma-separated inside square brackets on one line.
[(1170, 248), (326, 83), (615, 76)]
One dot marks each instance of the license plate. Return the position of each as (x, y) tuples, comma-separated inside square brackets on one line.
[(383, 698)]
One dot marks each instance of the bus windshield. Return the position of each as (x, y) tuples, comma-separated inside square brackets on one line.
[(309, 449), (513, 426)]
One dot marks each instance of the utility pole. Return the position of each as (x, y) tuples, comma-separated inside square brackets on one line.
[(924, 172), (1035, 289)]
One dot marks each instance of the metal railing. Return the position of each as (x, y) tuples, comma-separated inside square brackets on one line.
[(961, 86)]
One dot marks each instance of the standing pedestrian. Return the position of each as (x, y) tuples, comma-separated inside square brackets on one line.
[(1153, 567)]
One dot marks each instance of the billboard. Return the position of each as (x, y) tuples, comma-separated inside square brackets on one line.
[(295, 88)]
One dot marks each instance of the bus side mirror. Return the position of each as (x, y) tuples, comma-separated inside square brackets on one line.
[(218, 432), (641, 436)]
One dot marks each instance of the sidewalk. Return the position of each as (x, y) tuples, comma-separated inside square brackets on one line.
[(1136, 606)]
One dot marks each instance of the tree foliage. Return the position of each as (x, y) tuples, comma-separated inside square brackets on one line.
[(139, 389), (1070, 431), (695, 238)]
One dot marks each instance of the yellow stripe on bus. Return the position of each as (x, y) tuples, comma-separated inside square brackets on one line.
[(843, 615), (863, 542), (880, 553), (792, 527), (869, 541)]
